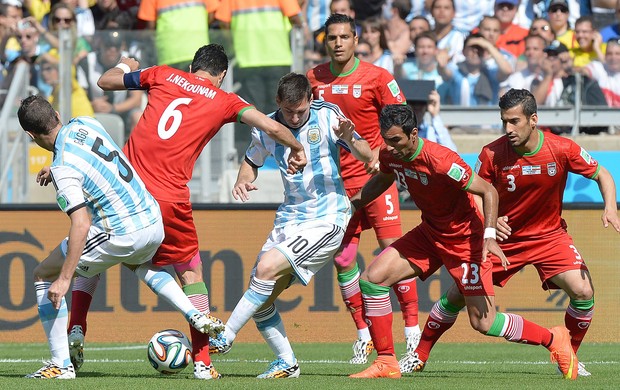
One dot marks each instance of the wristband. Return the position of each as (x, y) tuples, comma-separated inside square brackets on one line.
[(124, 67), (490, 233)]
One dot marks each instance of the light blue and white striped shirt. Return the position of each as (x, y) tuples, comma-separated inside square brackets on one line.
[(90, 170), (318, 191)]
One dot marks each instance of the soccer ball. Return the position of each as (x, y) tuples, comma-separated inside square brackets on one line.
[(169, 351)]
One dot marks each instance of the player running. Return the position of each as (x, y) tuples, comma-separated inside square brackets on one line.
[(361, 89), (309, 224), (451, 234), (114, 220), (184, 111), (525, 166)]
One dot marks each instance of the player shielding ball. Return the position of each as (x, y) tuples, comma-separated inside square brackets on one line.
[(529, 169), (452, 234), (309, 224)]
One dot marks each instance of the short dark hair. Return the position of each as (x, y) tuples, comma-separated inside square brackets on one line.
[(519, 97), (426, 34), (340, 19), (210, 58), (398, 115), (403, 7), (37, 115), (294, 88)]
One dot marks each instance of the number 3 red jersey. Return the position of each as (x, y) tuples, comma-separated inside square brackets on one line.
[(531, 186), (183, 113), (360, 93)]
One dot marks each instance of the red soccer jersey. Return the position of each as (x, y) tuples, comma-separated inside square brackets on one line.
[(437, 178), (360, 93), (184, 112), (531, 186)]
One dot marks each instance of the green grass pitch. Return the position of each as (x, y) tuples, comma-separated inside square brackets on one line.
[(323, 366)]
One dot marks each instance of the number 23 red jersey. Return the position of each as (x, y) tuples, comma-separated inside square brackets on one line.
[(360, 93), (183, 113)]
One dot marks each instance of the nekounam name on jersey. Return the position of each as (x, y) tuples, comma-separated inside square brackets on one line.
[(189, 87)]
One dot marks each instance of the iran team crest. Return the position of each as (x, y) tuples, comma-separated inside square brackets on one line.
[(357, 90), (314, 136), (551, 169)]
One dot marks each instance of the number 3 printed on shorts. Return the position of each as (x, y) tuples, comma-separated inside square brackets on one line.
[(470, 273), (176, 115)]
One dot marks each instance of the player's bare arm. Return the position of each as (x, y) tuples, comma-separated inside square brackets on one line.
[(80, 224), (374, 187), (112, 79), (608, 190), (503, 228), (297, 158), (372, 167), (359, 147), (246, 176), (490, 202)]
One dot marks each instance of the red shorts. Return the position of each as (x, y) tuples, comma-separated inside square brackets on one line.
[(462, 259), (551, 255), (181, 240), (382, 214)]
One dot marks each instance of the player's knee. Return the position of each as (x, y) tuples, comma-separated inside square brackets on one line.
[(266, 270), (41, 273), (583, 292)]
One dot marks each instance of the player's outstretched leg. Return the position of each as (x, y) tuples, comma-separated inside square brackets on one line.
[(407, 293), (379, 314), (577, 320), (271, 327)]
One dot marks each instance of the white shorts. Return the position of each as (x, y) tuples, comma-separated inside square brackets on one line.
[(307, 246), (103, 250)]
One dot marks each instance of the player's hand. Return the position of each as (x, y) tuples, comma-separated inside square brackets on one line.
[(345, 129), (373, 166), (296, 161), (611, 217), (434, 105), (44, 177), (57, 291), (241, 191), (132, 62), (503, 229), (491, 246)]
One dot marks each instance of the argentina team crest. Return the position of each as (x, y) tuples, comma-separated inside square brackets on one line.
[(314, 136), (551, 169), (357, 90)]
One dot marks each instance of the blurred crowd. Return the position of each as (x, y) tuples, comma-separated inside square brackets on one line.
[(473, 50)]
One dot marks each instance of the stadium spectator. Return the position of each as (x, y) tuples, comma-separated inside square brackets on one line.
[(261, 41), (114, 220), (559, 84), (397, 29), (180, 27), (62, 16), (127, 104), (490, 29), (373, 33), (531, 74), (558, 19), (80, 105), (10, 16), (82, 17), (360, 89), (469, 13), (607, 74), (453, 233), (429, 107), (417, 25), (448, 37), (613, 29), (511, 36), (542, 27), (309, 224), (344, 7), (109, 16), (603, 12), (531, 235), (472, 82), (590, 45), (177, 145)]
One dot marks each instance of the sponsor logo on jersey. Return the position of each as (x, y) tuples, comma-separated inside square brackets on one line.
[(357, 90), (551, 169), (390, 218), (314, 136), (457, 172), (433, 325), (393, 86), (411, 174), (340, 89), (423, 178), (62, 201), (531, 170), (472, 287), (83, 267), (511, 167), (394, 165)]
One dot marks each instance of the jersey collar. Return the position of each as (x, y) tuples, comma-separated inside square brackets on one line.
[(417, 151), (355, 65)]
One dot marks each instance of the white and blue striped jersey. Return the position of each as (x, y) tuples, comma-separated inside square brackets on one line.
[(317, 193), (90, 170)]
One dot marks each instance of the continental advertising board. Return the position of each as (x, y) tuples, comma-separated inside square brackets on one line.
[(124, 310)]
